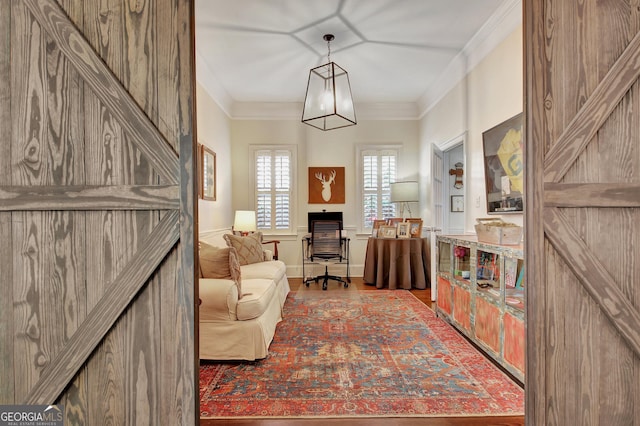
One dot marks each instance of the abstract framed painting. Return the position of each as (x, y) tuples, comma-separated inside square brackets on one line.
[(504, 166)]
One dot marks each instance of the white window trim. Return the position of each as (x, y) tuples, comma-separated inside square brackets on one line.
[(359, 180), (294, 178)]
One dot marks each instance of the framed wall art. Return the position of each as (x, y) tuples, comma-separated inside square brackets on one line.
[(207, 172), (457, 203), (504, 166), (326, 185)]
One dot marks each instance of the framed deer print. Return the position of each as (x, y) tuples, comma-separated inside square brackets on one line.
[(326, 185)]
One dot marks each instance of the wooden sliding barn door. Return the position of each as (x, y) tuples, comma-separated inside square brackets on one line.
[(97, 209), (583, 211)]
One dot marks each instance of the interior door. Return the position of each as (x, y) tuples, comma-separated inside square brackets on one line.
[(437, 197), (98, 210), (582, 212)]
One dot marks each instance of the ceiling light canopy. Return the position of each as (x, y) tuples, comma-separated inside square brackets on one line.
[(328, 103)]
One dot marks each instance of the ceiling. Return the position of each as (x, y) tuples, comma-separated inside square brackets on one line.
[(260, 51)]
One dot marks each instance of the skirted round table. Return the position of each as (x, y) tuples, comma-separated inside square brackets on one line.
[(397, 263)]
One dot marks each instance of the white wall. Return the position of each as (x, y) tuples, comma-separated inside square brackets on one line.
[(316, 148), (214, 132), (491, 93)]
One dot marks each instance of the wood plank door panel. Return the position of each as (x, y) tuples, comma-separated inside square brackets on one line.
[(582, 219), (97, 184), (7, 388)]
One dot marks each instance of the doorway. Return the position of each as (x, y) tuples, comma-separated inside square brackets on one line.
[(444, 158)]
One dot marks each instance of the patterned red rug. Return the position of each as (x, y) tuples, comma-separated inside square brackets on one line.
[(360, 353)]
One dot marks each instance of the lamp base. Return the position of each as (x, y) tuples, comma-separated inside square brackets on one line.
[(402, 205)]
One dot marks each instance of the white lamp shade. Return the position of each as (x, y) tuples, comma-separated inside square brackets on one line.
[(245, 221), (404, 192)]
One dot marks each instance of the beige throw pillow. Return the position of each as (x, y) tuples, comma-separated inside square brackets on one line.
[(216, 262), (249, 248)]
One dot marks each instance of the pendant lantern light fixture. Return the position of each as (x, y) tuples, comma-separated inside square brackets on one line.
[(328, 103)]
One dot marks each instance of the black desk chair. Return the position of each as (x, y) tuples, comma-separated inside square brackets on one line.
[(326, 245)]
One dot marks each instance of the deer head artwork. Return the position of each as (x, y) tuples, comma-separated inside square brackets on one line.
[(326, 184)]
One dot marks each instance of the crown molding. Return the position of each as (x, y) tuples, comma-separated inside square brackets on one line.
[(499, 26), (293, 111), (387, 111)]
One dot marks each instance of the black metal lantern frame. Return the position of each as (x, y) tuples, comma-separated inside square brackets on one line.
[(328, 103)]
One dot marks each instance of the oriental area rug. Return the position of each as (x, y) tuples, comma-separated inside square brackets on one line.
[(360, 353)]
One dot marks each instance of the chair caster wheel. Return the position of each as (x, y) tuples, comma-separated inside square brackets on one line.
[(346, 285), (324, 286)]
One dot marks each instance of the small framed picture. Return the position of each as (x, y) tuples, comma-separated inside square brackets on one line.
[(403, 230), (457, 203), (415, 227), (387, 231), (377, 223), (207, 178), (394, 221)]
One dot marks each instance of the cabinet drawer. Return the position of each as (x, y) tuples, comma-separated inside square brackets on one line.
[(487, 324), (462, 308), (444, 295), (514, 342)]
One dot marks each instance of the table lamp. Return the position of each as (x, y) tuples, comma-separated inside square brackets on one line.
[(404, 193), (245, 222)]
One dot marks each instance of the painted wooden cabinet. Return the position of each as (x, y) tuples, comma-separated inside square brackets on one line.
[(480, 291)]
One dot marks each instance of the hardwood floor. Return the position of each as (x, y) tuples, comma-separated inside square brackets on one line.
[(358, 284)]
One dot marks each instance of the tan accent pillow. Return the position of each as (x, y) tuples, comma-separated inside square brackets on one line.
[(249, 248), (216, 262)]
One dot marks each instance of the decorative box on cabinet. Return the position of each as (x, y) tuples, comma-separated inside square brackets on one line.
[(480, 291)]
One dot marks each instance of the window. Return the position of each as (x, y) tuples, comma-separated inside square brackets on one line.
[(272, 182), (378, 170)]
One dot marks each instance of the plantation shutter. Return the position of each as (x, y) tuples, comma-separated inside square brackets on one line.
[(273, 189), (378, 172)]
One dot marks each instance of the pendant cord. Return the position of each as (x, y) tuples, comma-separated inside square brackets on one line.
[(328, 51)]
